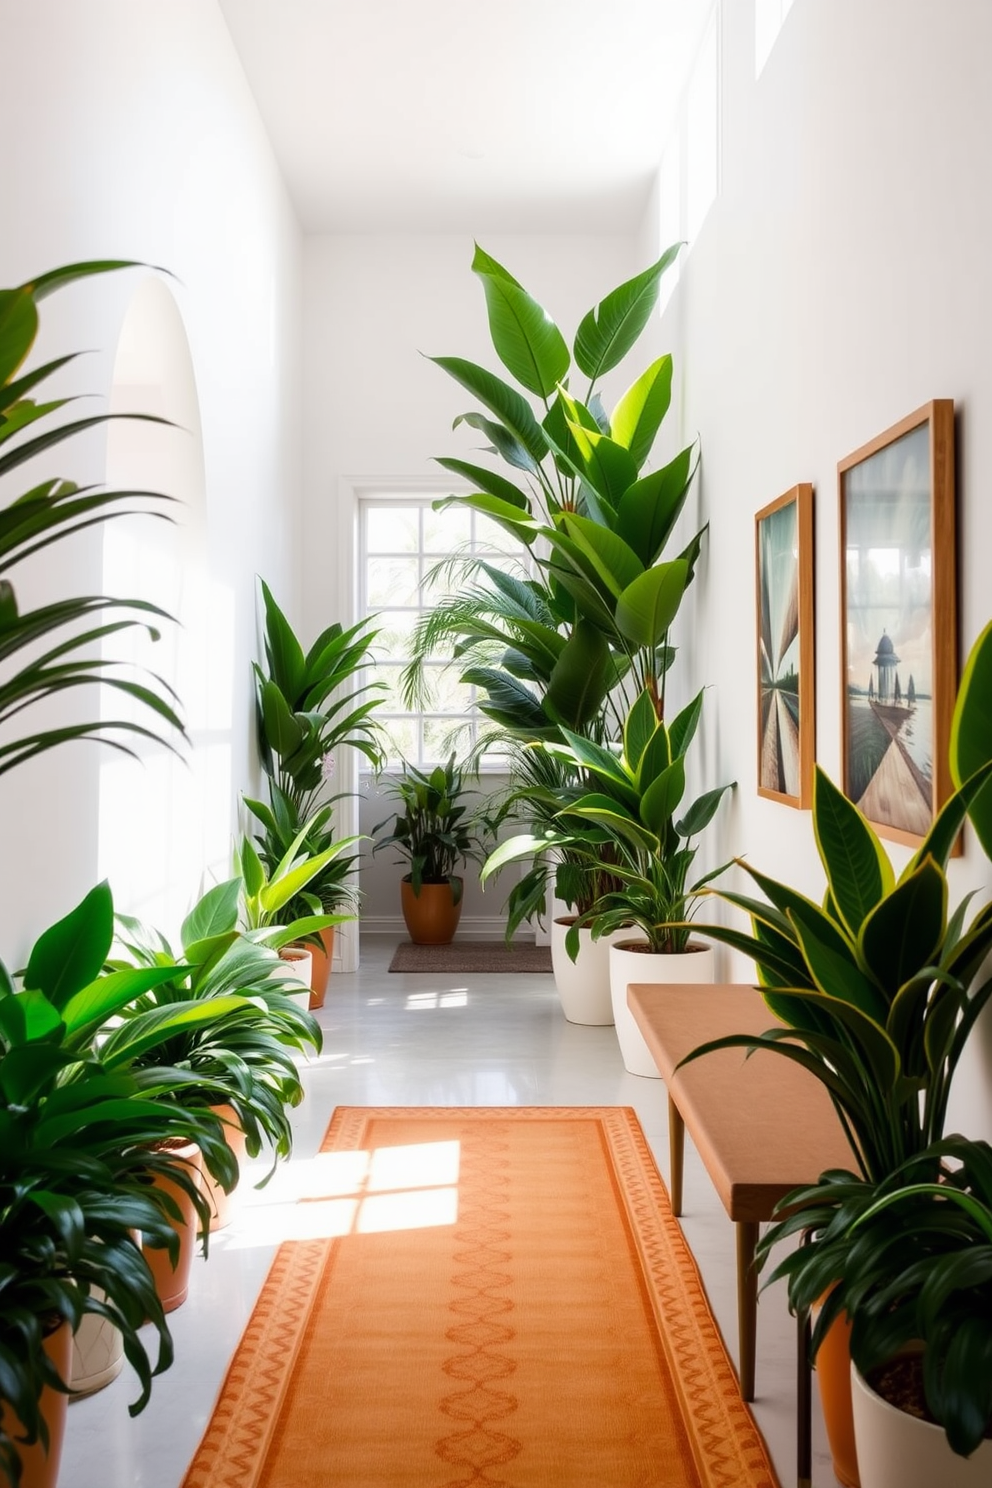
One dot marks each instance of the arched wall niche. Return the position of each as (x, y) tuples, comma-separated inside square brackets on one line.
[(165, 818)]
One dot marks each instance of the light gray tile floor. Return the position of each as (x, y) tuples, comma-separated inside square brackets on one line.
[(418, 1040)]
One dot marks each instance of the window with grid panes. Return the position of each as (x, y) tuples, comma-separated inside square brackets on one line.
[(406, 550)]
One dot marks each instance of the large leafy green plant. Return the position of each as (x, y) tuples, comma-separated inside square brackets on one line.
[(631, 820), (53, 649), (579, 640), (332, 889), (79, 1145), (309, 703), (433, 831), (267, 896)]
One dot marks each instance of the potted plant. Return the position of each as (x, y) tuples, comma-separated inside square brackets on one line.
[(332, 889), (632, 812), (433, 834), (876, 985)]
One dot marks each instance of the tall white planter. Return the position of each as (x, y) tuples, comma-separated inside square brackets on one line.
[(299, 966), (584, 984), (97, 1352), (899, 1451), (626, 966)]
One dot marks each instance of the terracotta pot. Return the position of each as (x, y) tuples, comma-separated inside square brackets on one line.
[(97, 1352), (299, 964), (896, 1450), (833, 1378), (432, 915), (584, 984), (173, 1285), (40, 1469), (629, 964), (322, 956), (220, 1202)]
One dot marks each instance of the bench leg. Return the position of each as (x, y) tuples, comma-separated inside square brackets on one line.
[(747, 1303), (804, 1403), (676, 1152)]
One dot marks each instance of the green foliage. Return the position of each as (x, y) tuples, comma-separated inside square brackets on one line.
[(629, 821), (268, 894), (308, 704), (331, 890), (433, 831), (53, 649)]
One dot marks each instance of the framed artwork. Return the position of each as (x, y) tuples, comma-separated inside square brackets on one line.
[(899, 621), (783, 541)]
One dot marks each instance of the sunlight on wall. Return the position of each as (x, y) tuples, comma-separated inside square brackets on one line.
[(768, 18), (164, 819)]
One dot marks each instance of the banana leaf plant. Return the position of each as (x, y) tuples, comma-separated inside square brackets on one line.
[(914, 1254), (583, 637), (53, 649), (79, 1145), (310, 703), (631, 820)]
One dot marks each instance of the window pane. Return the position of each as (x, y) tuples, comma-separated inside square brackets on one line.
[(392, 529), (401, 734), (491, 537), (442, 735), (392, 581), (449, 695), (392, 695), (395, 629), (446, 531)]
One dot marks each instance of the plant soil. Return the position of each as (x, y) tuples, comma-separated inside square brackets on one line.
[(900, 1384)]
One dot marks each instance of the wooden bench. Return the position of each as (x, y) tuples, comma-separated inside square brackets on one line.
[(761, 1124)]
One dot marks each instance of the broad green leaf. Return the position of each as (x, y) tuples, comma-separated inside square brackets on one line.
[(656, 758), (648, 605), (903, 933), (609, 330), (858, 870), (662, 797), (971, 733), (526, 845), (214, 914), (509, 406), (18, 328), (508, 702), (592, 756), (524, 336), (287, 664), (639, 726), (580, 678), (502, 442), (489, 481), (112, 993), (603, 464), (283, 729), (70, 954), (702, 811), (638, 415), (606, 555), (683, 727), (610, 814), (650, 508), (832, 965)]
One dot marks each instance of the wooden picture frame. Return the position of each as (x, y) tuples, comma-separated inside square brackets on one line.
[(783, 564), (898, 606)]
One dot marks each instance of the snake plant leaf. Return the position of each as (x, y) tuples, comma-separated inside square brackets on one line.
[(18, 328), (649, 509), (858, 870), (489, 481), (510, 407), (287, 665), (648, 604), (662, 796), (70, 954), (971, 733), (599, 808), (831, 962), (606, 556), (524, 336), (580, 677), (14, 392), (702, 811), (215, 913), (639, 727), (638, 415), (608, 331), (904, 931)]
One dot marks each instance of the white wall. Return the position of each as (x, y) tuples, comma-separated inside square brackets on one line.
[(132, 134), (376, 306), (839, 282)]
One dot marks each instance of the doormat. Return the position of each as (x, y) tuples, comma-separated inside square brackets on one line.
[(472, 955), (497, 1297)]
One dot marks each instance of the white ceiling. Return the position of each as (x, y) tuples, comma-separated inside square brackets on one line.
[(465, 116)]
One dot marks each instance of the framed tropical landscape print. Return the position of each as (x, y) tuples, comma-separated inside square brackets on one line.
[(898, 621), (783, 537)]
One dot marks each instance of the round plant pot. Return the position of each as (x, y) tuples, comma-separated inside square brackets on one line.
[(299, 966), (221, 1202), (896, 1450), (322, 957), (172, 1284), (40, 1469), (432, 915), (630, 961), (97, 1353), (583, 985)]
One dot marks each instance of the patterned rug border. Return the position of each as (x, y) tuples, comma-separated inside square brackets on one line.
[(729, 1449)]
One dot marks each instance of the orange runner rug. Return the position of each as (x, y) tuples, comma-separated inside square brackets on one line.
[(491, 1298)]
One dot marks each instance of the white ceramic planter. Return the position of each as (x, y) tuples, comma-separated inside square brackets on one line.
[(97, 1353), (628, 966), (584, 984), (899, 1451)]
